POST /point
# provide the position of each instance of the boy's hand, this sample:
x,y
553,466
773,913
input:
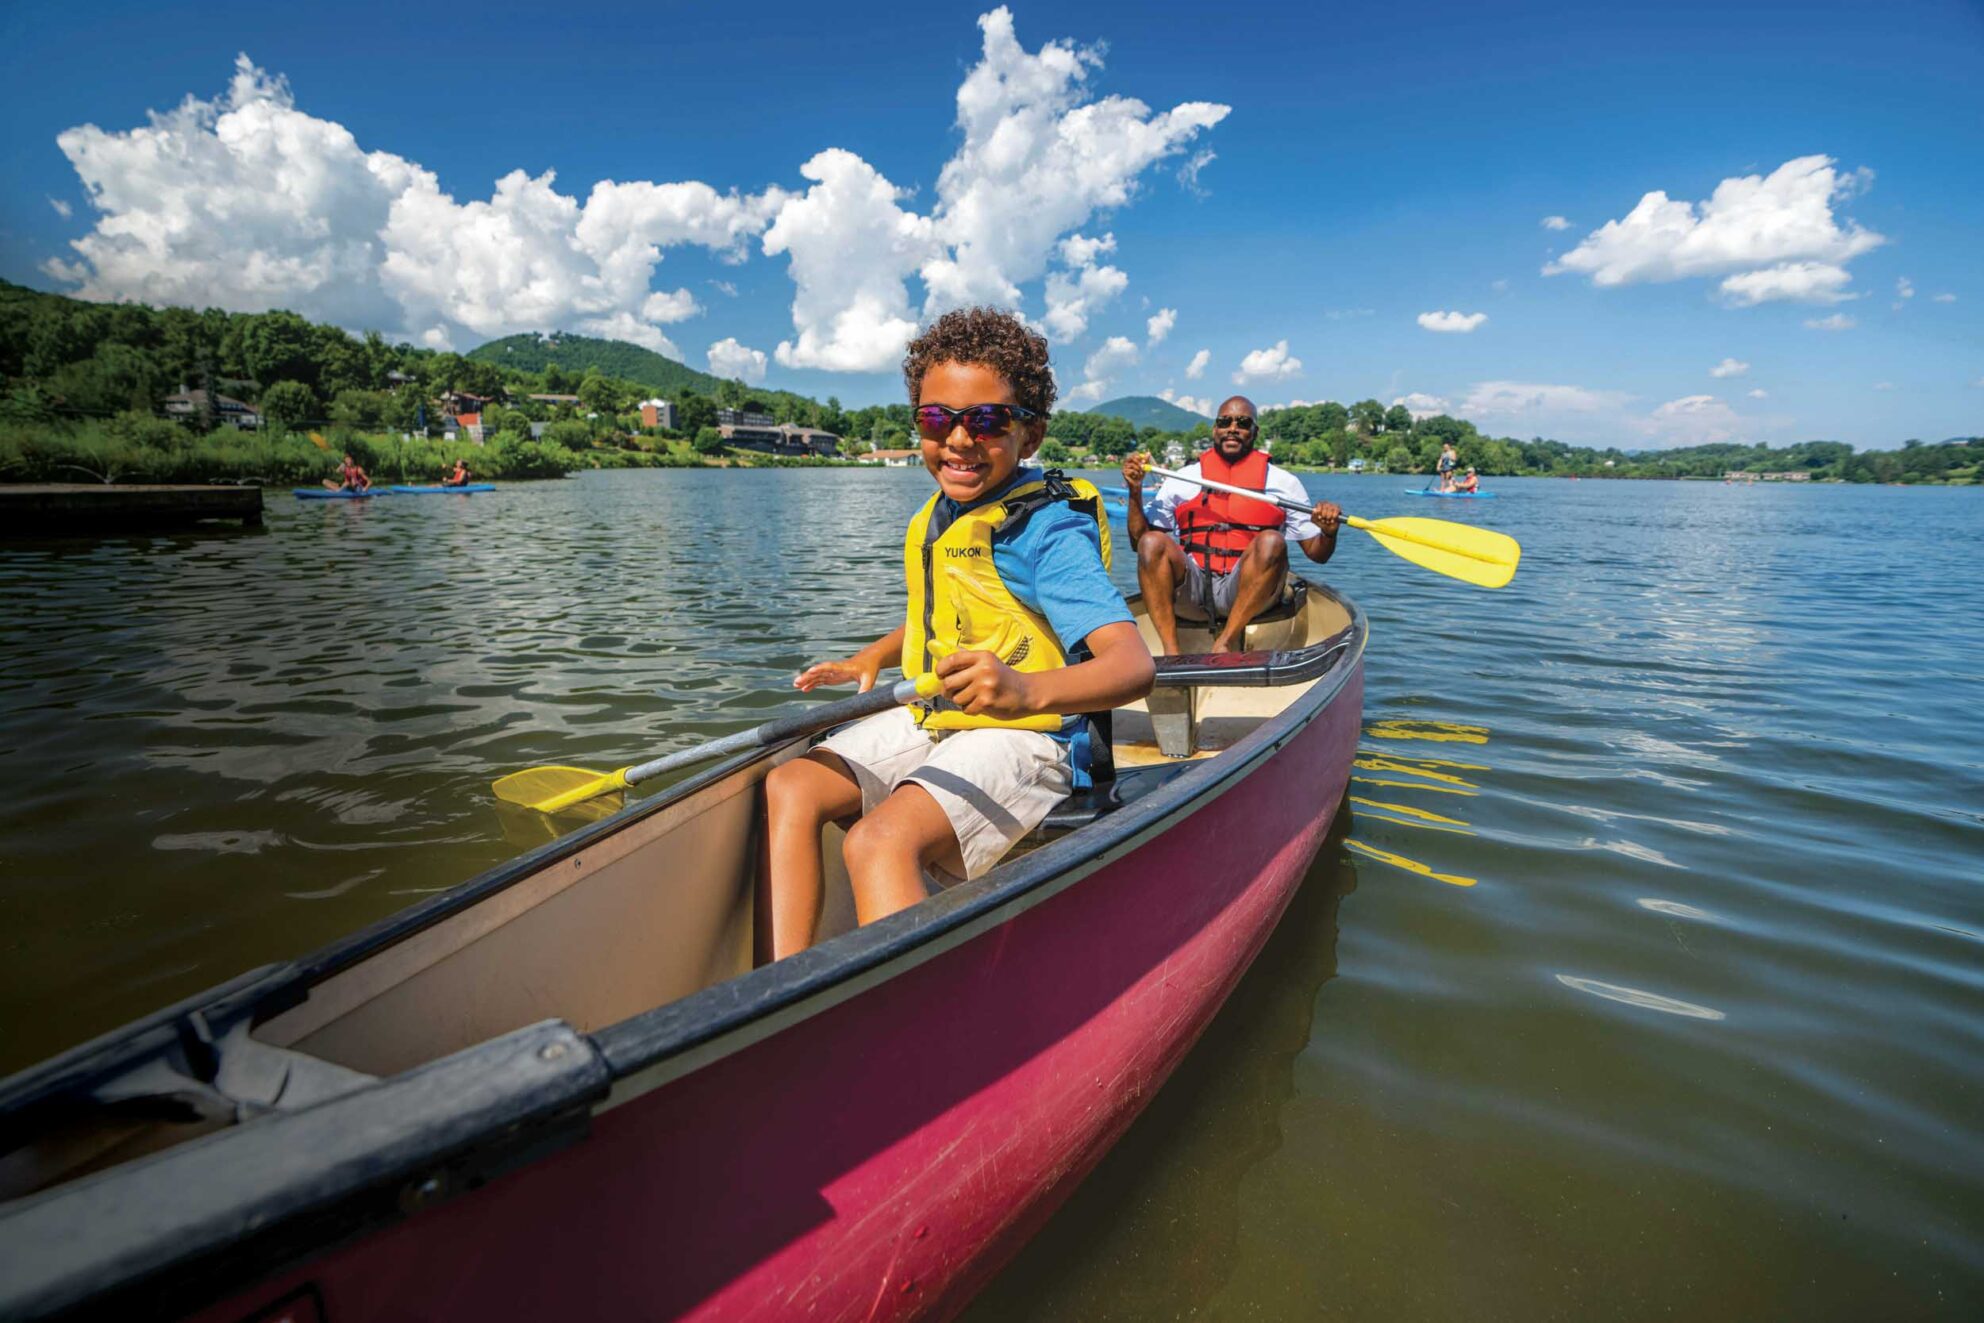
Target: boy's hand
x,y
860,669
981,684
1133,469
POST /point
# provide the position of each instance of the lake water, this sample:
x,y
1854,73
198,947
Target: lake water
x,y
1644,977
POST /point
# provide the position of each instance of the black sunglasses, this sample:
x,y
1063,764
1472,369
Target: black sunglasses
x,y
936,421
1240,420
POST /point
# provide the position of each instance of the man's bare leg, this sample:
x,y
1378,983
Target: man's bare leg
x,y
1263,569
1160,569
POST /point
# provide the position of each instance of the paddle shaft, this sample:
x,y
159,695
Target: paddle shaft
x,y
779,729
1293,507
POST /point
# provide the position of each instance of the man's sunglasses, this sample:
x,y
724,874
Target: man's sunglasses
x,y
1239,420
936,421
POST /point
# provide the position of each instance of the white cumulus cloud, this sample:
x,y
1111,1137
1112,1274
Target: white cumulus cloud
x,y
1839,321
1198,404
1692,420
1943,298
728,358
1759,394
62,209
1452,323
1159,325
247,202
1075,296
1039,157
1274,363
1103,366
1904,288
1521,397
1556,223
1777,235
1729,367
1197,367
1801,282
1420,405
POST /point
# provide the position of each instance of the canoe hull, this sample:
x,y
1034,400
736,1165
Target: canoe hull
x,y
467,489
322,494
883,1157
1458,496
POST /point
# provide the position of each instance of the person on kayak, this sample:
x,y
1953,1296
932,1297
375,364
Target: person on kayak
x,y
1470,484
459,478
1449,458
1010,605
1223,558
351,478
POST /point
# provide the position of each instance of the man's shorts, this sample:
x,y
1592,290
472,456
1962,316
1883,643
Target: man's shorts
x,y
1190,599
994,785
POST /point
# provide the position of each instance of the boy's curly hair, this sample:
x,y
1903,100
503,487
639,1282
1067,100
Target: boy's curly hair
x,y
999,340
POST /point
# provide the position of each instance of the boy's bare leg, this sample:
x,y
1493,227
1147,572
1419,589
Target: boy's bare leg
x,y
1160,569
801,798
1263,569
888,849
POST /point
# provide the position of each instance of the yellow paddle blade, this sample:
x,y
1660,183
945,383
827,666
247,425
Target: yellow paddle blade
x,y
317,440
1459,551
549,789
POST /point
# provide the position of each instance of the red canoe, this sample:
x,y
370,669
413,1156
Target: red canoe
x,y
560,1091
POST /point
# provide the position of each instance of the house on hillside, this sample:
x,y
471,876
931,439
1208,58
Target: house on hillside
x,y
656,413
743,418
786,439
894,459
187,406
468,424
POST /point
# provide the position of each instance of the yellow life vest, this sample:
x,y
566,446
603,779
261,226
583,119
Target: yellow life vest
x,y
958,603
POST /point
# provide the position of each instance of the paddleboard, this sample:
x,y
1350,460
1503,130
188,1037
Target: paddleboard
x,y
463,490
320,494
1459,496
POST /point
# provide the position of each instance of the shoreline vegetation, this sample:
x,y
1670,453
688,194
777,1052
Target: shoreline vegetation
x,y
84,391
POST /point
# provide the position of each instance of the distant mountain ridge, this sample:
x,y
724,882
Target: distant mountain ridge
x,y
1149,411
532,352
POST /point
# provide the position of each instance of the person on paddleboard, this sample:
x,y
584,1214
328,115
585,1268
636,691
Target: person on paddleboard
x,y
459,478
1449,458
1470,484
1010,605
352,478
1218,557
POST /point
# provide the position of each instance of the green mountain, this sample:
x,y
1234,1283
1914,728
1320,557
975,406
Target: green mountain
x,y
576,354
1149,411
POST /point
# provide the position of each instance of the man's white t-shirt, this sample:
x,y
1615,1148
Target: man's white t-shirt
x,y
1161,509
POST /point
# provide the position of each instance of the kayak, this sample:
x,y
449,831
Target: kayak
x,y
1461,496
463,490
561,1089
320,494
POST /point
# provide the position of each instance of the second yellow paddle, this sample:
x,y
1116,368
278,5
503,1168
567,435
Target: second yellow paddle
x,y
1459,551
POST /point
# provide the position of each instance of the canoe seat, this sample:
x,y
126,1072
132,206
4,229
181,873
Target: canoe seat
x,y
1085,806
1290,606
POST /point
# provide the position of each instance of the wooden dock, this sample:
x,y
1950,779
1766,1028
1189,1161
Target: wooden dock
x,y
56,509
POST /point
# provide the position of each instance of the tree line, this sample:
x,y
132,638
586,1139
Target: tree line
x,y
65,363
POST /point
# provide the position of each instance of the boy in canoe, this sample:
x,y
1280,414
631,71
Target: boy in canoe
x,y
1010,606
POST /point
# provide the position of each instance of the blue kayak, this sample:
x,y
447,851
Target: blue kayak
x,y
462,490
320,494
1458,496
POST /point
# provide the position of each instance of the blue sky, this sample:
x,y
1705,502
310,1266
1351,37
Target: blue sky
x,y
1369,167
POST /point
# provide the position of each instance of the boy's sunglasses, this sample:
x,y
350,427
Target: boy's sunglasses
x,y
1239,420
936,421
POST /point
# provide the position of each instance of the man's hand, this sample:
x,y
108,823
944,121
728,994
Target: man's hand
x,y
860,669
1134,468
981,684
1327,515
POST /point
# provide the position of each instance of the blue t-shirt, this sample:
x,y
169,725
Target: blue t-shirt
x,y
1053,564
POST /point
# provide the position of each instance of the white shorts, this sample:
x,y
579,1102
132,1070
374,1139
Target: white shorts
x,y
995,786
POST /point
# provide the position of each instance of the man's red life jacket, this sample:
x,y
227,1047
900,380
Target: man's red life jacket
x,y
1215,527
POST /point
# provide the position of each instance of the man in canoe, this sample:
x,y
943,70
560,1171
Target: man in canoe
x,y
352,478
1224,557
1010,606
459,478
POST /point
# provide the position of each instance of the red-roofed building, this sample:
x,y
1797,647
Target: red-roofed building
x,y
470,424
